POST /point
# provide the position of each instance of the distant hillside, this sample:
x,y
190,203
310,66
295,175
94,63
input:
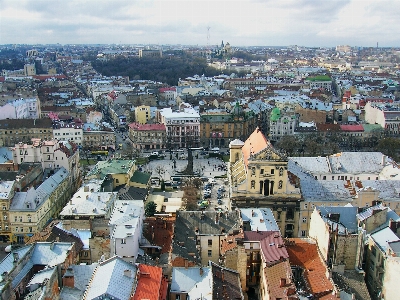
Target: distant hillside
x,y
168,68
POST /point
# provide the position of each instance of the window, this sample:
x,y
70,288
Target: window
x,y
123,241
209,242
30,229
281,171
253,184
280,184
262,171
304,220
373,251
305,205
272,171
29,219
253,171
209,253
303,233
48,157
323,177
333,177
116,180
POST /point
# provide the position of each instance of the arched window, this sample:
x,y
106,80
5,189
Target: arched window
x,y
280,184
281,171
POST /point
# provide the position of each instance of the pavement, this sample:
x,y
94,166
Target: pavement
x,y
207,167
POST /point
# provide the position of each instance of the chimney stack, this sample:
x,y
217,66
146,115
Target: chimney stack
x,y
201,271
68,278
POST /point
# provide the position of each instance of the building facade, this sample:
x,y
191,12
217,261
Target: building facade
x,y
147,136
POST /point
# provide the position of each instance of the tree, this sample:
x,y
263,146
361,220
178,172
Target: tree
x,y
150,209
287,144
389,146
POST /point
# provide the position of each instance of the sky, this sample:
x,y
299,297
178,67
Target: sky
x,y
312,23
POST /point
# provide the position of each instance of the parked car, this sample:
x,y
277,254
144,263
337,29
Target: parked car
x,y
219,202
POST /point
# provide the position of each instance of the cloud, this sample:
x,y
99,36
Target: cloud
x,y
246,22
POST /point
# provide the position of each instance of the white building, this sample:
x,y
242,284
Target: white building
x,y
68,132
52,155
183,127
21,109
126,226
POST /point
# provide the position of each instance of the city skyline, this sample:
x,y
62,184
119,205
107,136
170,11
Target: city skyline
x,y
241,23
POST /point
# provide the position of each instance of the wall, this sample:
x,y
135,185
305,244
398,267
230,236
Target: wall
x,y
346,250
319,231
390,288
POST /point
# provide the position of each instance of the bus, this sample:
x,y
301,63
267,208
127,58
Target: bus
x,y
100,152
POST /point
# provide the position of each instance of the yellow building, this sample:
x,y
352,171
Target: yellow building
x,y
142,114
114,172
259,178
219,129
30,211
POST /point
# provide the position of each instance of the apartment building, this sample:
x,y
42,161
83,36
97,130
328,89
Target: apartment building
x,y
147,136
142,114
6,195
182,127
24,130
68,132
30,211
52,154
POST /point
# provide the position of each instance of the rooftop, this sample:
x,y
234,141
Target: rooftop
x,y
261,219
194,281
114,278
304,254
151,284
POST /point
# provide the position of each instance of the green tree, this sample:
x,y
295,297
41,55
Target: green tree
x,y
150,209
389,146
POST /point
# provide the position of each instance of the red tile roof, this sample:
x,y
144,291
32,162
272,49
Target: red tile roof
x,y
255,143
276,288
305,255
150,284
147,127
273,248
352,128
159,232
166,89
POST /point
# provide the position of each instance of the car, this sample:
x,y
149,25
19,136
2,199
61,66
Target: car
x,y
221,188
207,190
207,195
219,202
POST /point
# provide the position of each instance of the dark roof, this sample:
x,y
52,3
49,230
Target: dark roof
x,y
140,177
347,216
190,223
25,123
132,193
226,283
352,282
256,235
65,236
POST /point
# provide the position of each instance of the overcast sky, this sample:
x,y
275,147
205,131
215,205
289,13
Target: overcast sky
x,y
241,23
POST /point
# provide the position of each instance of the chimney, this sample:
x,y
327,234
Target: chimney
x,y
252,213
68,278
383,160
282,282
201,271
128,273
216,219
16,257
186,263
52,246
